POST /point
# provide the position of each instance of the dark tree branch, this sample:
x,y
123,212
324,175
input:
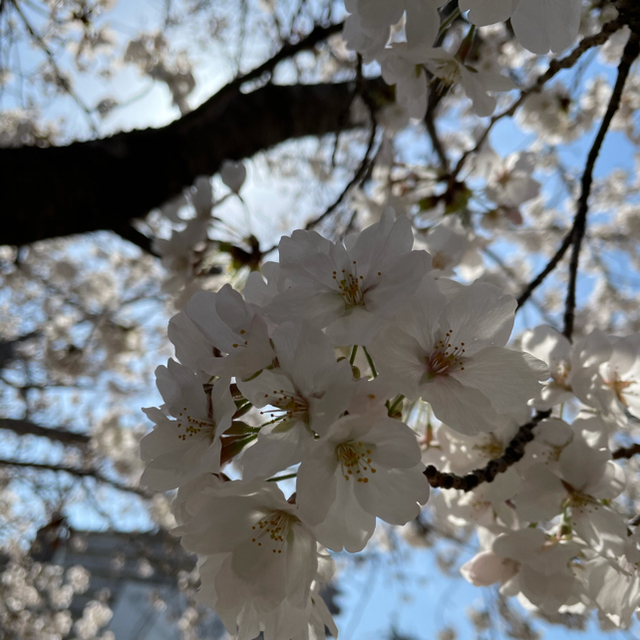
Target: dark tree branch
x,y
290,49
105,184
624,453
550,266
631,52
78,473
26,427
430,123
514,452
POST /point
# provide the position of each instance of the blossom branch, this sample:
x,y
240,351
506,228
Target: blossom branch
x,y
555,66
514,451
631,52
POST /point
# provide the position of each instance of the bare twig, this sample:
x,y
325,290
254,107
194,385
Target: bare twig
x,y
60,77
365,164
631,52
290,49
513,452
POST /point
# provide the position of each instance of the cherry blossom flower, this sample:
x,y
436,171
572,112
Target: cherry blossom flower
x,y
366,467
510,183
539,25
376,17
233,327
447,242
451,354
544,574
267,554
245,619
613,584
178,450
550,346
610,378
403,65
487,568
350,292
308,391
475,83
581,480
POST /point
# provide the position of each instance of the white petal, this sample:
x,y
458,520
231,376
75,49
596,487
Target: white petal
x,y
507,378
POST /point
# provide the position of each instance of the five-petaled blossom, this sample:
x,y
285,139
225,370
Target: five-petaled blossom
x,y
449,350
179,449
366,467
349,291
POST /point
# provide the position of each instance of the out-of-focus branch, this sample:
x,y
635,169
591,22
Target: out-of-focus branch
x,y
549,267
78,473
367,160
624,453
28,428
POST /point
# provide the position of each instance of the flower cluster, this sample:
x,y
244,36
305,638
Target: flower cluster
x,y
401,36
551,529
308,369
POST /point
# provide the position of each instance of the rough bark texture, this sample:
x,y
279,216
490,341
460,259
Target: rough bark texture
x,y
104,184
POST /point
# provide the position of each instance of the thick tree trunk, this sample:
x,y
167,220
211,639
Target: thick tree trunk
x,y
104,184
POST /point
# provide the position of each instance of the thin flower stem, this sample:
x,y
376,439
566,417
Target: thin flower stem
x,y
374,373
449,21
396,404
287,476
352,359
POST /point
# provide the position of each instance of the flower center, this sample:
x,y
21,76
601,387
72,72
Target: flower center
x,y
189,426
560,375
619,387
272,531
439,260
289,406
445,358
449,71
350,286
355,460
491,448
